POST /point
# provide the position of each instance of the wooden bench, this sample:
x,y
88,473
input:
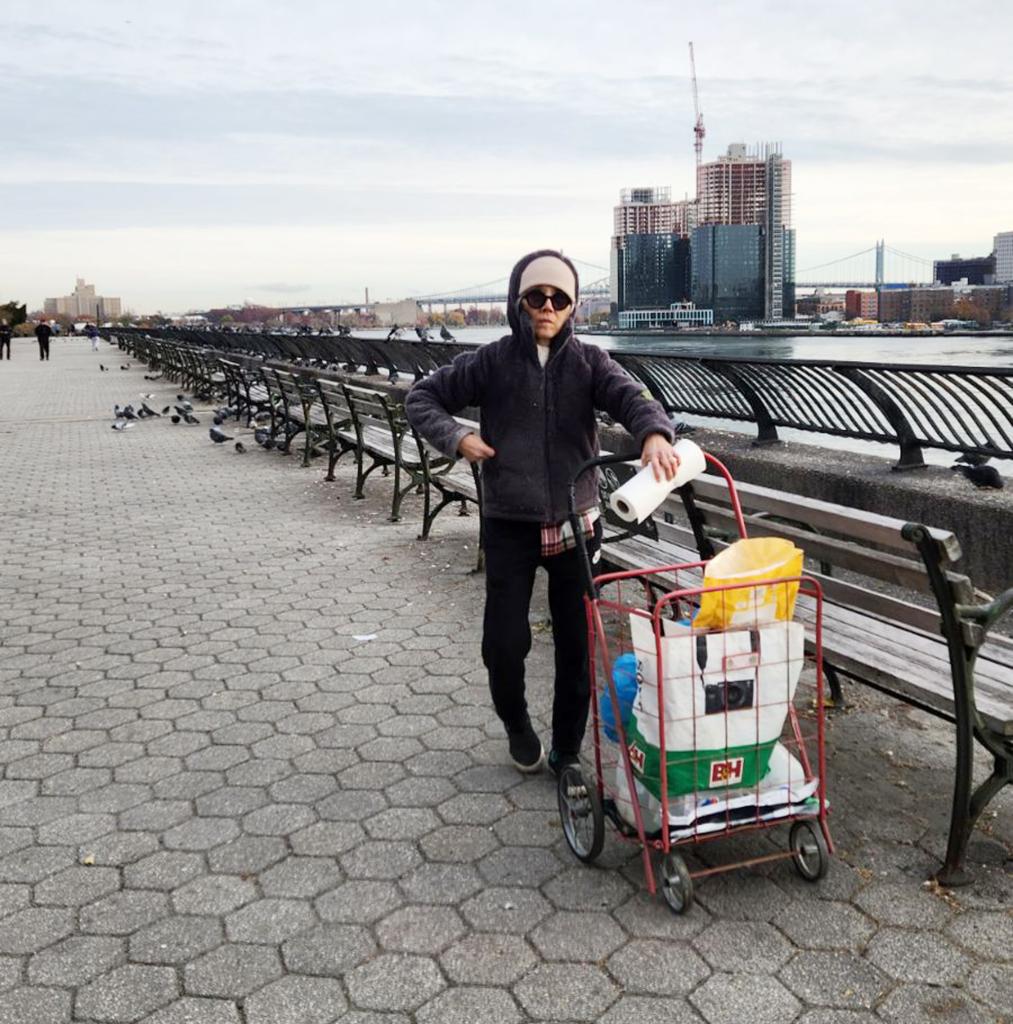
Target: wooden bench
x,y
897,616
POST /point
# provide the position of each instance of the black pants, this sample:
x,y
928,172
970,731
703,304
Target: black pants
x,y
43,348
512,554
3,342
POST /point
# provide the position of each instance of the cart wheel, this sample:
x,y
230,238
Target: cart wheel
x,y
581,813
676,883
809,848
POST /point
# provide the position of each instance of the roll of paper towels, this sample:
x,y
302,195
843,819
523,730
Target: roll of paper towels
x,y
640,496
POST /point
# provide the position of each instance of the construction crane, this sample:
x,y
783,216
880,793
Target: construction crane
x,y
698,129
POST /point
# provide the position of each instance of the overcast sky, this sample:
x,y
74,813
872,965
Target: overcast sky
x,y
205,153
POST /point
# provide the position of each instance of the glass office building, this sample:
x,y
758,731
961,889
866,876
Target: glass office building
x,y
730,275
651,271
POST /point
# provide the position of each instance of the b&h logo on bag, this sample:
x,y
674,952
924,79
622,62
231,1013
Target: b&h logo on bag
x,y
636,757
727,772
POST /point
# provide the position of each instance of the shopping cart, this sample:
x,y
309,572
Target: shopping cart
x,y
717,741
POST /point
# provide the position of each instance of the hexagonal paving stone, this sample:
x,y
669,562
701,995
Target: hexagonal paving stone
x,y
470,1006
838,978
213,894
578,992
126,993
247,855
379,859
175,940
77,885
401,823
914,1004
232,971
733,998
458,844
300,876
190,1010
984,934
34,928
638,1009
123,912
824,924
749,947
652,967
164,870
358,902
485,959
580,888
520,865
506,910
296,1000
269,920
903,905
395,981
419,929
75,960
993,985
328,949
572,936
37,1005
917,957
441,883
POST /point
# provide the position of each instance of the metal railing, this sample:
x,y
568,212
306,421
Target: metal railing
x,y
952,408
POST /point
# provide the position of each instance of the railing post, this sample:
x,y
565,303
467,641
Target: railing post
x,y
766,430
910,449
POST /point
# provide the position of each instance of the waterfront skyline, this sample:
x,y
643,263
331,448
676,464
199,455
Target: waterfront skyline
x,y
192,156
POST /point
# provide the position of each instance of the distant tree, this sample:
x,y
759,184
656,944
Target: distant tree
x,y
455,318
13,313
968,309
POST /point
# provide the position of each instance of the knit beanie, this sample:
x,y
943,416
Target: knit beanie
x,y
550,270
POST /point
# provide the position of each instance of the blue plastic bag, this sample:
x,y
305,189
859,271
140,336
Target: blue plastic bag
x,y
624,677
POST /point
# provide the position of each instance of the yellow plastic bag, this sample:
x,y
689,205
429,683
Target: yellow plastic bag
x,y
751,560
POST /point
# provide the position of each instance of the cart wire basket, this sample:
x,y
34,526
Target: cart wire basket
x,y
700,733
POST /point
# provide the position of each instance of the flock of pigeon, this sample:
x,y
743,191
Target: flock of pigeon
x,y
182,411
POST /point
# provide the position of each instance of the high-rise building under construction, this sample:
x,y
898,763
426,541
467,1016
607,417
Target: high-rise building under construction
x,y
649,255
751,192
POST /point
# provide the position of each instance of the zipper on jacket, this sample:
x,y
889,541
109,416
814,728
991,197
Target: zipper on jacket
x,y
545,441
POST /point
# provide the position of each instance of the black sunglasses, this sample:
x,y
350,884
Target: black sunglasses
x,y
537,298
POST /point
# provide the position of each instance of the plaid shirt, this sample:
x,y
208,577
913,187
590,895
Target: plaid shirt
x,y
558,537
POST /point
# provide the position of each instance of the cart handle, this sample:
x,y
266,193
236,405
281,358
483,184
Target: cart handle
x,y
578,536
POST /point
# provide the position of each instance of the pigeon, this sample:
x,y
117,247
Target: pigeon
x,y
260,435
102,368
182,410
218,436
972,458
176,419
121,425
141,414
985,477
240,448
166,410
262,417
191,419
127,367
217,420
270,443
128,413
148,411
445,334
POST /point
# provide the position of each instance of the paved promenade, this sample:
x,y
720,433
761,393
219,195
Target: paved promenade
x,y
250,775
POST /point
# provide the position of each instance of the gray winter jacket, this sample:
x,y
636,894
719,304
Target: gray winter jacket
x,y
540,422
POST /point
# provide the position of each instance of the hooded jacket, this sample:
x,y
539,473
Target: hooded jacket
x,y
540,421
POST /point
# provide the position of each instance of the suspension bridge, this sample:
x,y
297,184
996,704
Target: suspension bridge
x,y
878,266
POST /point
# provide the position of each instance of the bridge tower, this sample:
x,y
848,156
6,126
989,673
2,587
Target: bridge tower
x,y
880,252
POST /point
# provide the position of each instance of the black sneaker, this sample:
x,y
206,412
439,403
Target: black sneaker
x,y
526,748
558,761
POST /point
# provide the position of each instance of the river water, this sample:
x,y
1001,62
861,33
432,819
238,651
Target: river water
x,y
950,350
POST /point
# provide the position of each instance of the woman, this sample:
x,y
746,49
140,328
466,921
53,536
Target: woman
x,y
537,389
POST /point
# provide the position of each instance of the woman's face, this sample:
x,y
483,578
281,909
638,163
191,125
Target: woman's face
x,y
546,321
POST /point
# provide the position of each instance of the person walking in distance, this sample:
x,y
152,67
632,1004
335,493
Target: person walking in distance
x,y
537,390
92,331
43,332
5,338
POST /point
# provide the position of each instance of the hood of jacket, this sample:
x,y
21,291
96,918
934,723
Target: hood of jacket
x,y
520,322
